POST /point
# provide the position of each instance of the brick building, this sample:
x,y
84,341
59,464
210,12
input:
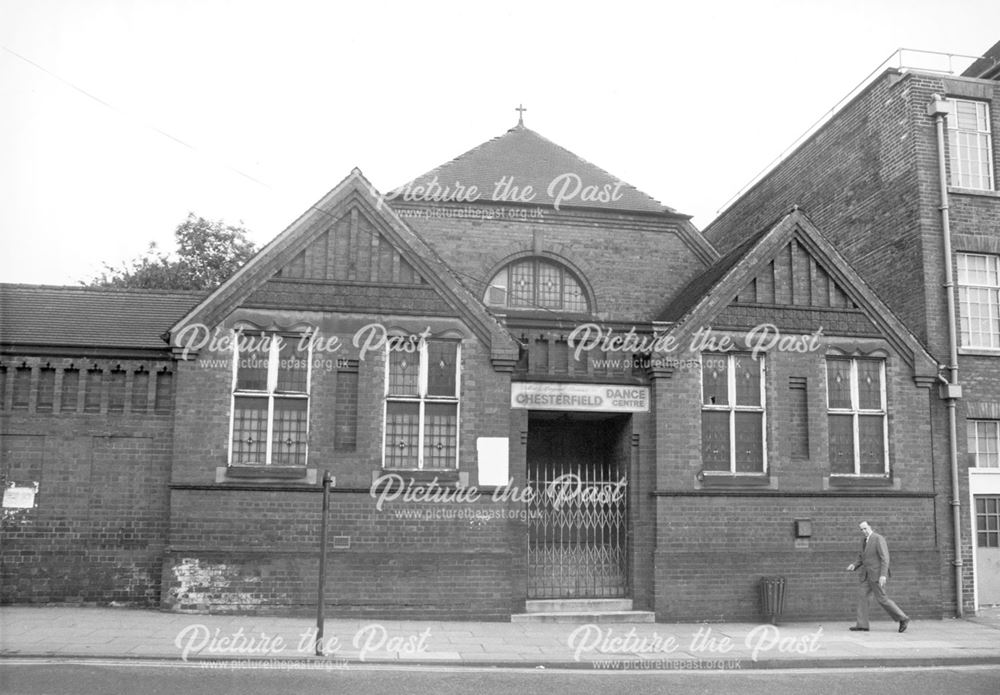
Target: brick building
x,y
86,384
516,321
902,180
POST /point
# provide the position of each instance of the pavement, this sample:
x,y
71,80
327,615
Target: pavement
x,y
229,641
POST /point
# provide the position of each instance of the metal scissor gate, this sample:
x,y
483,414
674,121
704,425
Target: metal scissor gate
x,y
577,520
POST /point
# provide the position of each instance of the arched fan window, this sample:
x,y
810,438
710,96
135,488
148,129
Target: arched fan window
x,y
536,284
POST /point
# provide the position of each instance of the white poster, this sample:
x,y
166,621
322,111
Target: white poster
x,y
18,497
492,457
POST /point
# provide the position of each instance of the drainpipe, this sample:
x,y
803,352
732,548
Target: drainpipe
x,y
950,389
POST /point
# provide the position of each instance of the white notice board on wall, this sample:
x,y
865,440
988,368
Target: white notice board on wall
x,y
493,459
19,497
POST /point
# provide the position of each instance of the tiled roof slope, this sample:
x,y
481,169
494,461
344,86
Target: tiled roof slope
x,y
534,161
88,317
703,284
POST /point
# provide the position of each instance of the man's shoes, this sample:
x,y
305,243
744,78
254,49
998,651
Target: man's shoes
x,y
855,628
903,624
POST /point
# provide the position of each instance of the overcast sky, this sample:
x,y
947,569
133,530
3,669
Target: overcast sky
x,y
118,118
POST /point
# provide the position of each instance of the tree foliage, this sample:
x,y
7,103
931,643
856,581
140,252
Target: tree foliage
x,y
207,253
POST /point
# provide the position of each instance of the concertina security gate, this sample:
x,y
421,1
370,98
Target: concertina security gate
x,y
577,544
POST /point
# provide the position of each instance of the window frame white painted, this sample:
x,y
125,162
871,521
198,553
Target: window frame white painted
x,y
732,408
856,411
273,366
961,175
423,399
966,287
974,439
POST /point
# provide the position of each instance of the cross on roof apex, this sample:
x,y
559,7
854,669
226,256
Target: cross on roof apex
x,y
520,114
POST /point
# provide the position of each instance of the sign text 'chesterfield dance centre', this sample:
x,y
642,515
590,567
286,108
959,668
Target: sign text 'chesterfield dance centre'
x,y
596,397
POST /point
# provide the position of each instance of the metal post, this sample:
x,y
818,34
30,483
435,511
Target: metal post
x,y
321,597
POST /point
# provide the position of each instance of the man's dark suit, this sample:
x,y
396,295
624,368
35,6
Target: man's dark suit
x,y
873,562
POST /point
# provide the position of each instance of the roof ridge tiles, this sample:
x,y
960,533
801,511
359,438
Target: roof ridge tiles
x,y
104,290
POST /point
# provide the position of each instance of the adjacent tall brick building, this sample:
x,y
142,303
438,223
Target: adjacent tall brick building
x,y
871,179
530,380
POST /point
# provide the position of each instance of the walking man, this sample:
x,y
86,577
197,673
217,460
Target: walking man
x,y
873,561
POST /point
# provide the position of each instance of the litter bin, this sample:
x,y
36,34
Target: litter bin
x,y
772,598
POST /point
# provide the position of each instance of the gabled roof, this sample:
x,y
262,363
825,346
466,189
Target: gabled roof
x,y
90,317
355,188
525,158
703,284
701,301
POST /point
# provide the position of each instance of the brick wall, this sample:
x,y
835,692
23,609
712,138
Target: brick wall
x,y
258,551
633,264
869,179
739,540
857,179
252,545
97,530
204,399
715,538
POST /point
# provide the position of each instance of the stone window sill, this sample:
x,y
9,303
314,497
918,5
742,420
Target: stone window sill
x,y
441,477
734,481
973,191
860,481
290,474
982,352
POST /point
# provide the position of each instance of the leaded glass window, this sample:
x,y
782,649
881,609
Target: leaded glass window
x,y
270,401
856,417
421,411
732,414
536,284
